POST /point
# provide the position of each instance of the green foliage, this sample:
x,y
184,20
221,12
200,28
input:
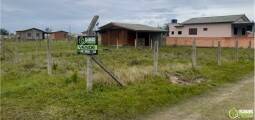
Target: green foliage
x,y
3,31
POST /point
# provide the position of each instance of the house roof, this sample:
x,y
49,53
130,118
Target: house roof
x,y
30,29
218,19
133,27
60,31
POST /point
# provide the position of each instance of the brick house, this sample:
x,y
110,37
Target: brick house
x,y
125,34
208,30
30,34
59,35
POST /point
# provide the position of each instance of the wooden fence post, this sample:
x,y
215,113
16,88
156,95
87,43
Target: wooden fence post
x,y
250,44
16,50
89,73
49,59
219,53
136,37
155,58
194,53
2,47
151,43
236,50
117,41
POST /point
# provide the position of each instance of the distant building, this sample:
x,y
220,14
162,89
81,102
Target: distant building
x,y
59,35
125,34
217,26
30,34
209,30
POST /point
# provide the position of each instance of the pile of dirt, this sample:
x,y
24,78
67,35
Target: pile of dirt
x,y
185,77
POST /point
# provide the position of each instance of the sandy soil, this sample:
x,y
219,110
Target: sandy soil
x,y
213,105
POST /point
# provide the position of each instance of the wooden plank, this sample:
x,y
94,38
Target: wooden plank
x,y
111,74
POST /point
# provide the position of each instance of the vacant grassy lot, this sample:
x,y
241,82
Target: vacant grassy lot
x,y
27,92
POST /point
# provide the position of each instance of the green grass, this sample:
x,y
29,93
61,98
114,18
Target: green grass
x,y
27,92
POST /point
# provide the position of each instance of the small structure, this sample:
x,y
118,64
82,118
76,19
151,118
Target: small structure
x,y
125,34
30,34
208,30
59,35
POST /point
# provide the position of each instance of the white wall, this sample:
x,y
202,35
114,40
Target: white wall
x,y
213,30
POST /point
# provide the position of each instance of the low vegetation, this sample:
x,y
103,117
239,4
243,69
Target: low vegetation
x,y
27,92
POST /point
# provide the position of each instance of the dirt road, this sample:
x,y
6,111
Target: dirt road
x,y
213,105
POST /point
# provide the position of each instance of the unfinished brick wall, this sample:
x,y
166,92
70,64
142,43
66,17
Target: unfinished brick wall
x,y
244,42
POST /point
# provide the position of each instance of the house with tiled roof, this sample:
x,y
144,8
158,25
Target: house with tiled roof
x,y
212,28
30,34
130,34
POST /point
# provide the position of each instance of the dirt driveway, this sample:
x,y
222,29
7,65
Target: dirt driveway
x,y
213,105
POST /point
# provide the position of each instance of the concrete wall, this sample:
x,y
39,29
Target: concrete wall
x,y
213,30
244,42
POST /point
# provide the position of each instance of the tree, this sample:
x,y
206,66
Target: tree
x,y
4,31
48,29
166,26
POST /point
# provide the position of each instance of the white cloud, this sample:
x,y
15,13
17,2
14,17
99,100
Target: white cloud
x,y
60,14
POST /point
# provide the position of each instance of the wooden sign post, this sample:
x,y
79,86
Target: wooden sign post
x,y
155,58
87,45
89,73
194,53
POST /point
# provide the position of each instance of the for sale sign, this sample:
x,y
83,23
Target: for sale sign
x,y
87,45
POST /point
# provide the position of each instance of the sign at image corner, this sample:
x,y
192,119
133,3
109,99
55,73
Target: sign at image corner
x,y
87,45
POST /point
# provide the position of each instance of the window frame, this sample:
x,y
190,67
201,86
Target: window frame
x,y
235,31
179,32
37,34
29,34
192,31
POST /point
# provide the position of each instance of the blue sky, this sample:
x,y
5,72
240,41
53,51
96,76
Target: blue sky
x,y
76,14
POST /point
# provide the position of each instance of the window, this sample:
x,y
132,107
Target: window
x,y
235,30
249,28
193,31
29,34
37,34
205,29
172,32
179,32
243,31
